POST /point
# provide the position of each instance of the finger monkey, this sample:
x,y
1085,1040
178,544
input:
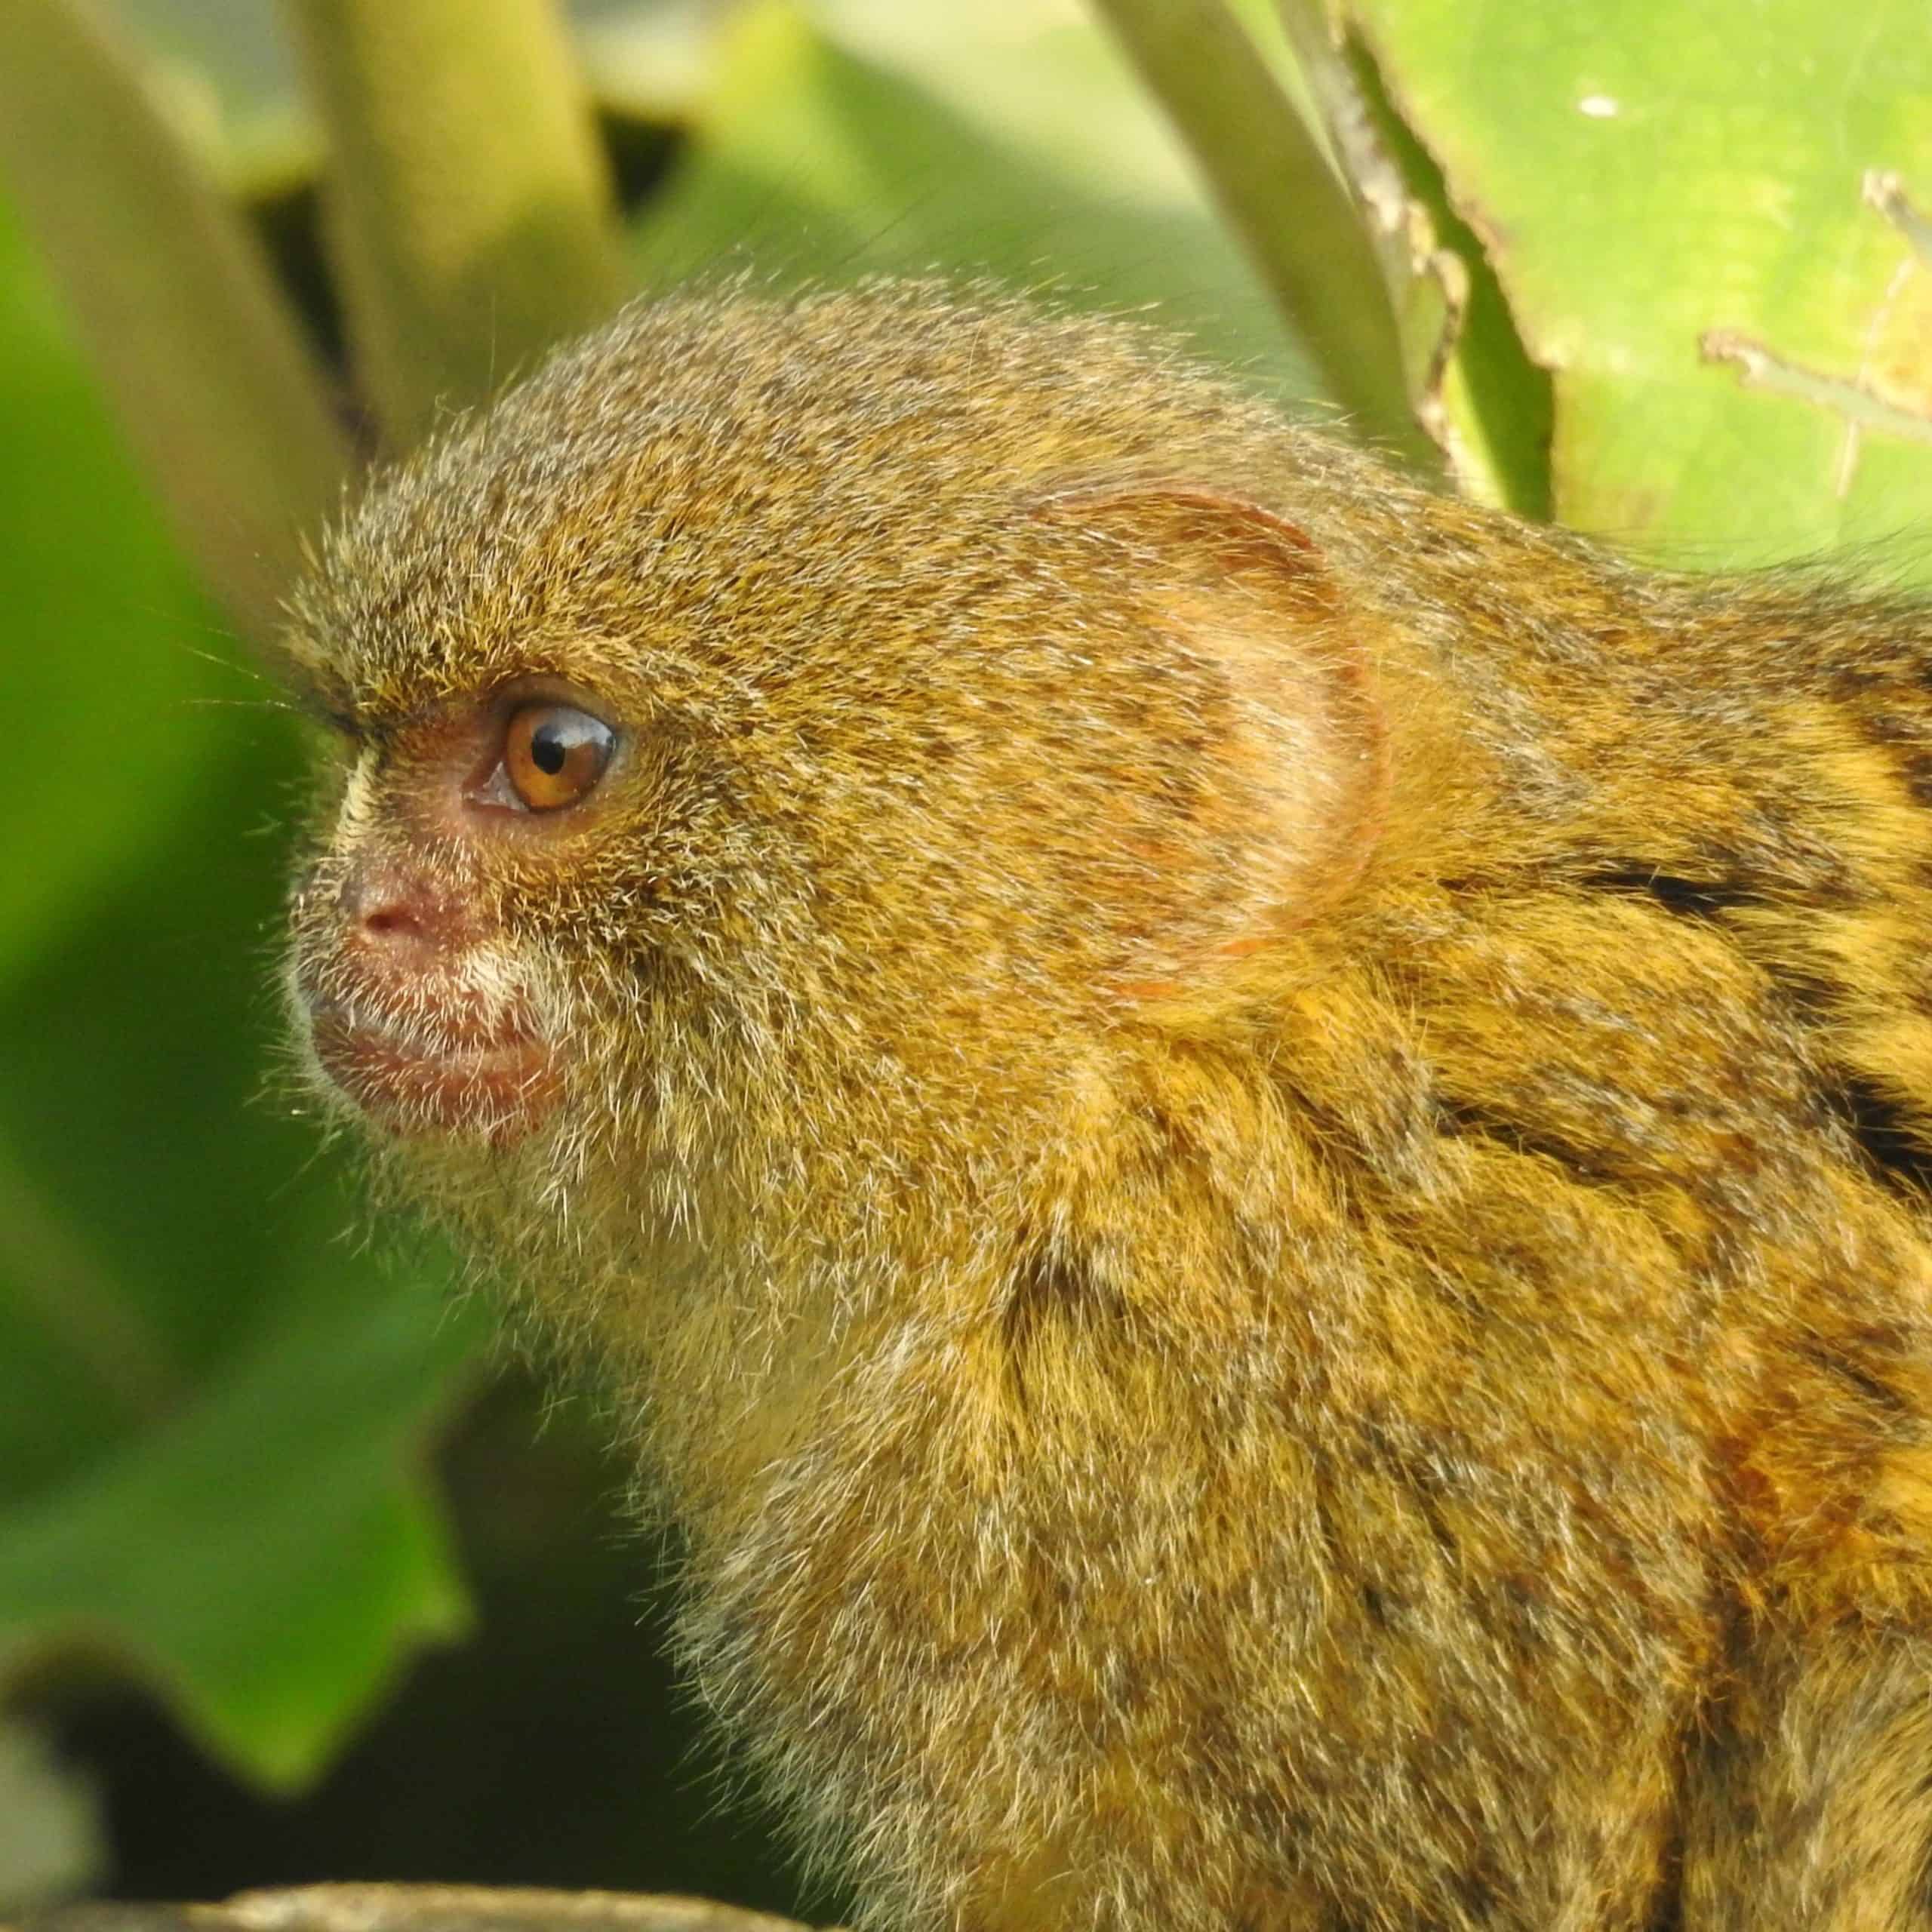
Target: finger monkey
x,y
1248,1148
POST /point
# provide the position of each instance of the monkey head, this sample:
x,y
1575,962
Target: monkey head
x,y
771,747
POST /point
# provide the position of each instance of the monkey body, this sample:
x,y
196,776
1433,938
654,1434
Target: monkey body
x,y
1244,1146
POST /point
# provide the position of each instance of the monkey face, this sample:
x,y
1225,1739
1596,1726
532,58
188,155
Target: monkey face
x,y
418,997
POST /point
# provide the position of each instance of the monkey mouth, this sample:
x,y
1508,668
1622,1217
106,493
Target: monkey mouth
x,y
497,1084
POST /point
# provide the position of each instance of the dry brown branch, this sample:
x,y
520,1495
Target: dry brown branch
x,y
412,1909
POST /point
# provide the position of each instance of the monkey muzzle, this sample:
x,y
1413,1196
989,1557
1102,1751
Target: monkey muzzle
x,y
496,1083
416,1013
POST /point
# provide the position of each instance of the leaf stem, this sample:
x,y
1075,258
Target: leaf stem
x,y
471,215
226,407
1279,193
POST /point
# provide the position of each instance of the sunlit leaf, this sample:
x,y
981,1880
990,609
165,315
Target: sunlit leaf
x,y
1682,206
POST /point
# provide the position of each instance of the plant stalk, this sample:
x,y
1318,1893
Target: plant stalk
x,y
470,212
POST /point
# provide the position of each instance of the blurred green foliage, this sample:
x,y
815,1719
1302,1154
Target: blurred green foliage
x,y
208,1399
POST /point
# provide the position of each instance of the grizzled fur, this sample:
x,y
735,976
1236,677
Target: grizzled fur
x,y
1246,1147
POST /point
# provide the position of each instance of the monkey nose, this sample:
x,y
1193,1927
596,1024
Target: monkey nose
x,y
399,914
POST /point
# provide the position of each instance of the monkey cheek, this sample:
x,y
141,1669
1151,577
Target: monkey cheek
x,y
498,1092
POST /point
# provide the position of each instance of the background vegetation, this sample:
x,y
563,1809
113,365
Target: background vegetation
x,y
296,1579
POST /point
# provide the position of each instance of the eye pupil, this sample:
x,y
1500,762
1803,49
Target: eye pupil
x,y
553,753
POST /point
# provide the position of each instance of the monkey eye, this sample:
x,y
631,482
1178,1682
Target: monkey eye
x,y
554,754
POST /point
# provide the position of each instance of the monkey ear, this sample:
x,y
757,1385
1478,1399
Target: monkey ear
x,y
1271,807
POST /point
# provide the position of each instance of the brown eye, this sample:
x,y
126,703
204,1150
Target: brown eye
x,y
554,754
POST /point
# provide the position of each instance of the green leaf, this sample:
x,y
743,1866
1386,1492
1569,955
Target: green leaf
x,y
1674,201
207,366
261,1556
208,1399
75,606
861,137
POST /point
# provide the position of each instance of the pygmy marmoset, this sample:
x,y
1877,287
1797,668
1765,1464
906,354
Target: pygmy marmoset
x,y
1248,1148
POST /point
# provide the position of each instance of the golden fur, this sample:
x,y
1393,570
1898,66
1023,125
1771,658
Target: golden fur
x,y
1245,1146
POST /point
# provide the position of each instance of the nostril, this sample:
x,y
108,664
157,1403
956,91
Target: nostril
x,y
389,921
396,910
